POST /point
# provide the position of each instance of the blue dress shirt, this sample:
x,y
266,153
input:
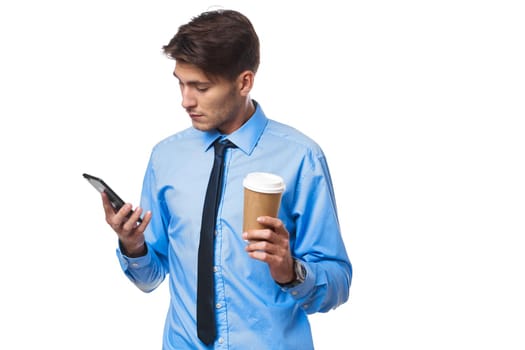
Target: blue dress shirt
x,y
252,310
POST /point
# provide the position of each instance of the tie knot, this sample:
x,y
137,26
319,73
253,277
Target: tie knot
x,y
220,146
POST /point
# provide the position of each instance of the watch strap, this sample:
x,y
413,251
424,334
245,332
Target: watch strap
x,y
300,275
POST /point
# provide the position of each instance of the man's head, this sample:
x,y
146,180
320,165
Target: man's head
x,y
221,43
217,56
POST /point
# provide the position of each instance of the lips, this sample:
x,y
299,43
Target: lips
x,y
194,115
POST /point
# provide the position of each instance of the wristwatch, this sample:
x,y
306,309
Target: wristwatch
x,y
300,275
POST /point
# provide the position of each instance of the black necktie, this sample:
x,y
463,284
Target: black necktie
x,y
205,291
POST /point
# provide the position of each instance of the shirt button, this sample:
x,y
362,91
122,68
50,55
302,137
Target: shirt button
x,y
215,233
218,305
135,265
221,340
215,269
294,292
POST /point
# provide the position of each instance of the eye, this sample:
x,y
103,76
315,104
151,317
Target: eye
x,y
202,88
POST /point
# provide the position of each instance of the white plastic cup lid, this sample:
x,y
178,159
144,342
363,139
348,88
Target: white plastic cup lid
x,y
264,182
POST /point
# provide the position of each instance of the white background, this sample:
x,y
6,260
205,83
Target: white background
x,y
418,105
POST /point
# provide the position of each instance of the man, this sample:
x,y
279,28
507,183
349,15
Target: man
x,y
265,281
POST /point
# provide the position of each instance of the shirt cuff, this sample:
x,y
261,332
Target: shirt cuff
x,y
301,290
128,263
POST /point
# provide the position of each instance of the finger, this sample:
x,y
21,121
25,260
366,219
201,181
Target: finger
x,y
133,228
133,221
263,246
111,217
145,221
273,260
261,256
118,219
274,223
258,235
108,208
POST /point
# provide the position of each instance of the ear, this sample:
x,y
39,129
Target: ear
x,y
245,82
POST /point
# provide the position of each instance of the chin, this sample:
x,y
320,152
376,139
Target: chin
x,y
202,127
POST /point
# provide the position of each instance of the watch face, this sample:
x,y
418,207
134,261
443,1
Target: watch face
x,y
300,271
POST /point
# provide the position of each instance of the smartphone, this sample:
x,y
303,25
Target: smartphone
x,y
101,186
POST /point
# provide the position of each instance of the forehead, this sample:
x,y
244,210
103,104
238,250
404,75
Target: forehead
x,y
187,72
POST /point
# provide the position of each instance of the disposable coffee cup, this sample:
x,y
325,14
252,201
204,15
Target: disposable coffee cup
x,y
262,197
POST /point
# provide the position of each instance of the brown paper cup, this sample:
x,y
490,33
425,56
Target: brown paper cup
x,y
262,197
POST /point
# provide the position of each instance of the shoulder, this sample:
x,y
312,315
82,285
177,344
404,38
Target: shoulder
x,y
178,144
178,139
293,138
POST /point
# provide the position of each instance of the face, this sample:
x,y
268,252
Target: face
x,y
210,103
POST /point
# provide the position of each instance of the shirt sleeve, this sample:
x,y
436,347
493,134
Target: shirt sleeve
x,y
317,241
148,272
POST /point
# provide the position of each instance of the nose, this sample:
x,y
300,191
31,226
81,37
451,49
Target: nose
x,y
188,99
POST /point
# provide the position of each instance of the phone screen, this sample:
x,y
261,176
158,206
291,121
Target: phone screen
x,y
101,186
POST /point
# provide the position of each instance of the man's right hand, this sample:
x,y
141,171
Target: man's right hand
x,y
129,231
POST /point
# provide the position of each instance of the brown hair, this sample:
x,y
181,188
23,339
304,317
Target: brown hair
x,y
221,43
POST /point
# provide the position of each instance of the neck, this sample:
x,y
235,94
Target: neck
x,y
246,110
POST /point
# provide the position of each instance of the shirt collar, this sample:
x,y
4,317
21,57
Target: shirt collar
x,y
246,137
